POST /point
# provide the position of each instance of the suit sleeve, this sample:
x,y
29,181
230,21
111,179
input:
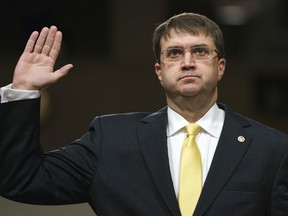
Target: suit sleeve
x,y
279,194
28,175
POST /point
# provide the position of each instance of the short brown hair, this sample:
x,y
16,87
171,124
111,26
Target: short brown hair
x,y
188,23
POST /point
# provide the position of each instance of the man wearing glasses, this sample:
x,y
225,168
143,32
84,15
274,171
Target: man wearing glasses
x,y
135,163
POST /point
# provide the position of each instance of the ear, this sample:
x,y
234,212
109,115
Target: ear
x,y
221,68
158,72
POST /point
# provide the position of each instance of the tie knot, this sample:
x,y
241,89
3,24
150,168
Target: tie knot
x,y
192,129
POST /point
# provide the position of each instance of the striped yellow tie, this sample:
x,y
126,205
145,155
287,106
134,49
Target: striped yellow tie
x,y
190,172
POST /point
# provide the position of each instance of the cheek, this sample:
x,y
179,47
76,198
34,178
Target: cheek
x,y
213,74
167,73
167,81
169,76
210,77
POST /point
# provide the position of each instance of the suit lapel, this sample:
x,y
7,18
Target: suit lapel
x,y
233,144
153,143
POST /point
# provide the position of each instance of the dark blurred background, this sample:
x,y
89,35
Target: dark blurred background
x,y
109,43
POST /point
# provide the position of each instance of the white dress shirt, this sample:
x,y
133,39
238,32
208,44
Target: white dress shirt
x,y
7,94
207,140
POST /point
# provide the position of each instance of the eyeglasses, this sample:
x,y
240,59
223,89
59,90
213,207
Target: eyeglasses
x,y
197,52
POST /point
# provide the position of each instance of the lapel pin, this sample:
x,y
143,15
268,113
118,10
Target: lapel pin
x,y
241,139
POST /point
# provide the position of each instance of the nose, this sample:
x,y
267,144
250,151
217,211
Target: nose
x,y
188,60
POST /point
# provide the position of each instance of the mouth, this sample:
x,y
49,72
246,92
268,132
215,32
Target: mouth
x,y
188,77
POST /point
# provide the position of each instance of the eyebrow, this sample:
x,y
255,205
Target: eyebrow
x,y
198,45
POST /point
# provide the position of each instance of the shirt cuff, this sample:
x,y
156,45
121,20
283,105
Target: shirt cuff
x,y
9,94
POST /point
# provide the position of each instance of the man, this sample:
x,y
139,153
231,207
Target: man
x,y
130,164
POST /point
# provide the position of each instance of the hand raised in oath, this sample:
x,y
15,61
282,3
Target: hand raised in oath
x,y
35,68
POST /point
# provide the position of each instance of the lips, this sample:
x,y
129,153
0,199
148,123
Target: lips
x,y
193,76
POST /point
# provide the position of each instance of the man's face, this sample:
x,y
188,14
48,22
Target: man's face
x,y
188,76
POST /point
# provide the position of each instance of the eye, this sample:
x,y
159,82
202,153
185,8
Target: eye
x,y
174,53
200,51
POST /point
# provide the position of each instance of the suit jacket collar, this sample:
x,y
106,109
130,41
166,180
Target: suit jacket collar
x,y
233,143
153,143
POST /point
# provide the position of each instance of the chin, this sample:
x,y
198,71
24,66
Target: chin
x,y
190,91
189,94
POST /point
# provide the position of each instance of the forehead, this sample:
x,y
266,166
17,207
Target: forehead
x,y
185,40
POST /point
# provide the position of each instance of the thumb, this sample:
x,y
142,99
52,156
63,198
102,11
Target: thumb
x,y
61,72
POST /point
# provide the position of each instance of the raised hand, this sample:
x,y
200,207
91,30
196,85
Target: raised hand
x,y
35,68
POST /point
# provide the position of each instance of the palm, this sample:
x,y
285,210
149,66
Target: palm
x,y
35,68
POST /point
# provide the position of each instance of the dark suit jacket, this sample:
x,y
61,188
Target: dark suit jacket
x,y
120,166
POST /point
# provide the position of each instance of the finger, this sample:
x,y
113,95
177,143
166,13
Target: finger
x,y
49,40
31,42
41,40
56,46
58,74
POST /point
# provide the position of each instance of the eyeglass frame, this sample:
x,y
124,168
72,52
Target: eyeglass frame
x,y
184,51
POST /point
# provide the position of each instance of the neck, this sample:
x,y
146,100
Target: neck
x,y
191,108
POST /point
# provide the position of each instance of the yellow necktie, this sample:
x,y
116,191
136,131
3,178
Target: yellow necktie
x,y
190,172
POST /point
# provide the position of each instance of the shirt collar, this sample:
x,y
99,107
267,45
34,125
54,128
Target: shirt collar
x,y
212,122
